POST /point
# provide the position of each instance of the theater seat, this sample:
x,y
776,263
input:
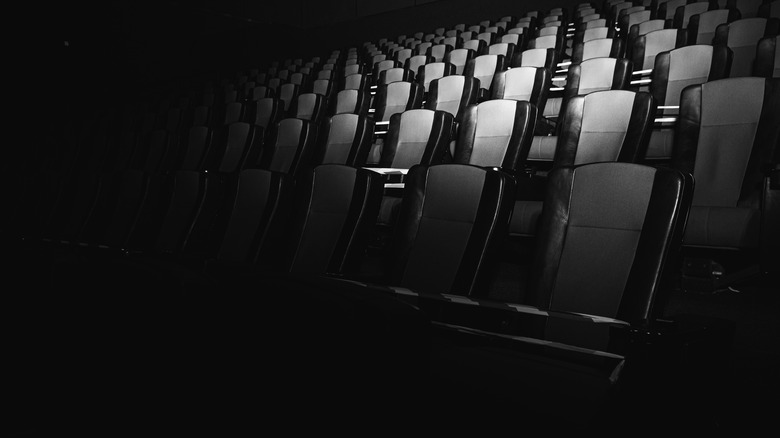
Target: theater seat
x,y
728,138
523,83
345,139
418,136
452,94
450,218
290,147
496,133
625,216
608,125
673,71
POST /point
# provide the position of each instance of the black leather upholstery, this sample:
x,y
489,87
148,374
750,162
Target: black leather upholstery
x,y
345,139
624,216
450,219
417,136
496,133
396,97
290,148
728,138
452,94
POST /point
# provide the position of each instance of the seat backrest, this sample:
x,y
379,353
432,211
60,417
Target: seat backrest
x,y
345,138
746,8
197,142
645,47
770,9
537,58
623,224
596,74
609,125
259,209
332,221
233,147
450,219
324,87
684,13
288,92
382,66
742,37
395,74
417,136
555,42
516,40
523,83
309,106
767,62
676,69
413,63
628,21
459,58
350,101
667,8
727,136
478,46
352,69
439,51
396,97
452,94
496,133
592,33
598,48
505,49
265,112
701,27
356,81
483,67
432,71
290,147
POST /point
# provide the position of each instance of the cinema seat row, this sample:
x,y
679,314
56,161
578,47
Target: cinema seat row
x,y
607,141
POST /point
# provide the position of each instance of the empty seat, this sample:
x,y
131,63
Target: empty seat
x,y
496,133
351,101
701,27
357,81
233,147
432,71
523,83
627,216
591,75
645,47
452,94
417,136
332,221
345,138
767,62
290,147
309,106
396,97
449,219
459,58
537,58
483,68
598,48
727,138
673,71
742,37
608,125
684,13
414,63
395,74
265,112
